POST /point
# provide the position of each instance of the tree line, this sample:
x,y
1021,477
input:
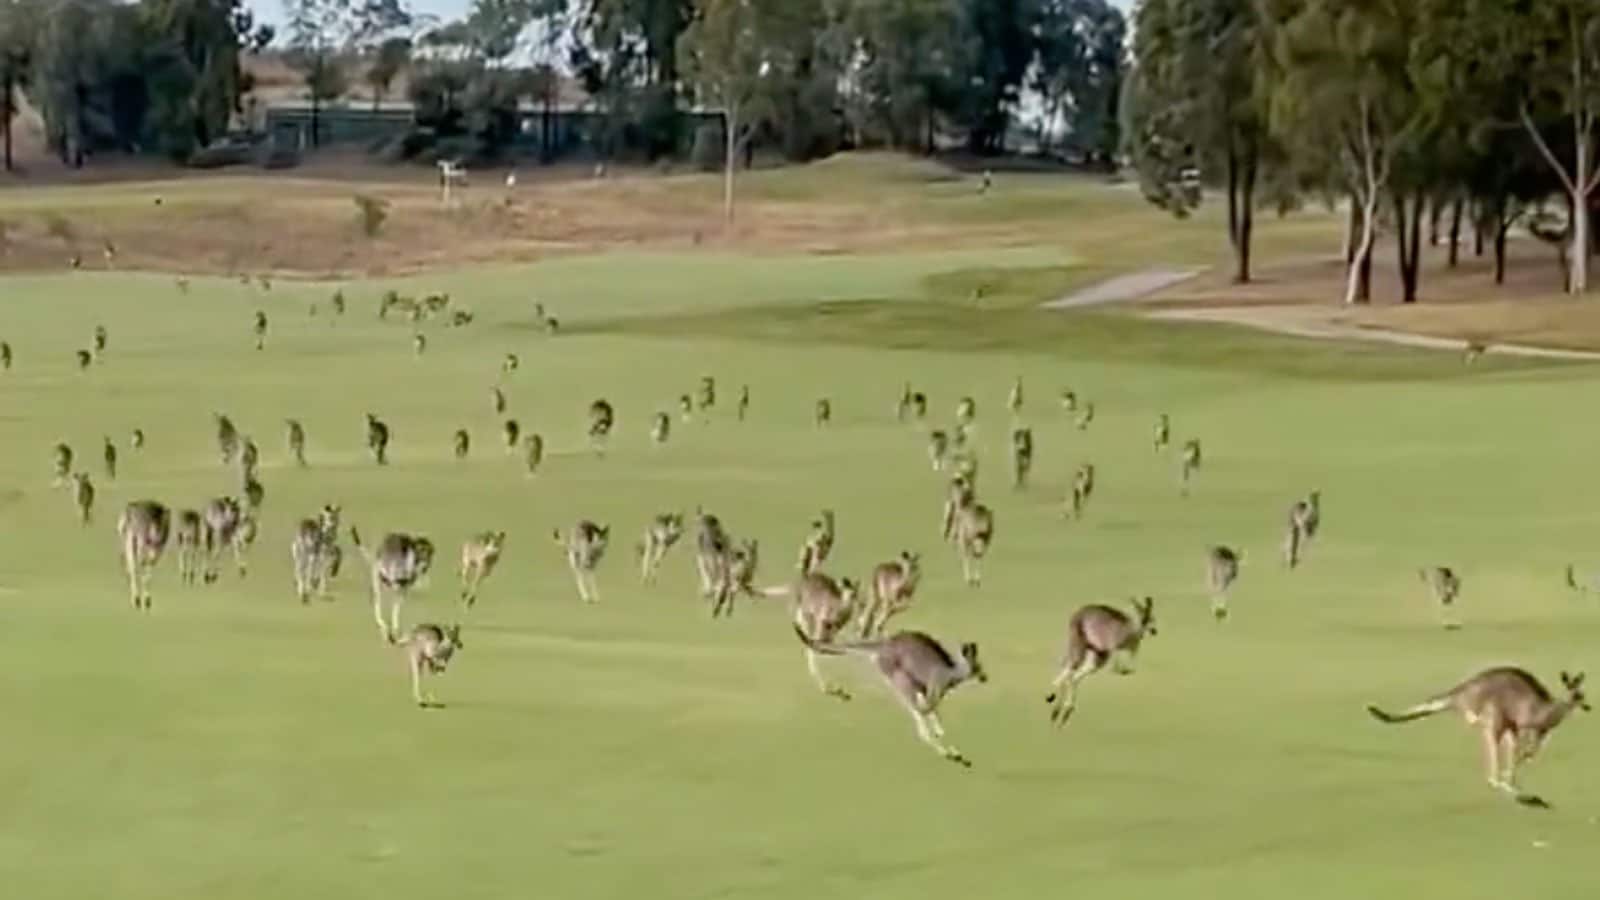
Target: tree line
x,y
1455,118
808,76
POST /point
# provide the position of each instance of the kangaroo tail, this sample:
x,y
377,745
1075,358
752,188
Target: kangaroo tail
x,y
858,648
355,538
1420,711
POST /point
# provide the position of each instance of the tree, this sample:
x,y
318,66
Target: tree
x,y
1194,108
1342,98
18,27
1078,72
322,31
392,56
1551,48
733,54
906,64
999,49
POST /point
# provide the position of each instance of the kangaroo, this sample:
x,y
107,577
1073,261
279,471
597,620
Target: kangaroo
x,y
227,438
894,583
510,363
585,545
99,342
1445,585
254,494
708,393
818,544
1082,489
712,546
83,497
511,432
260,330
686,408
1095,635
533,453
1304,516
744,402
1021,457
378,439
461,444
973,530
1069,401
660,536
1188,465
938,449
920,671
429,649
136,439
497,401
338,303
601,419
479,555
190,541
1514,712
249,458
296,439
823,413
5,355
224,520
62,458
1085,417
85,359
108,454
143,529
315,553
1222,569
660,428
902,406
1014,399
400,563
823,608
419,344
1163,433
735,574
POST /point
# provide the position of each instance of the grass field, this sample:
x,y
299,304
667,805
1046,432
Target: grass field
x,y
233,743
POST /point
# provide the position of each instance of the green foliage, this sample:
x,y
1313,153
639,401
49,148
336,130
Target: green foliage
x,y
371,213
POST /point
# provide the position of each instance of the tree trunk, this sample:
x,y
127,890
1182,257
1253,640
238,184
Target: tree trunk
x,y
546,121
1408,221
1247,220
1501,228
1358,286
730,126
316,120
1352,228
1578,271
8,99
1435,218
1455,232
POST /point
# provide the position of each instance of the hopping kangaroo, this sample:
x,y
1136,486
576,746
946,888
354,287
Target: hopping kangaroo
x,y
1021,457
1222,569
315,552
297,441
894,583
378,439
1514,712
586,546
83,496
712,545
428,652
143,528
662,534
822,609
1082,489
921,672
227,438
601,420
225,526
1304,517
399,565
818,544
1445,585
971,525
1095,635
735,572
1188,464
191,543
479,555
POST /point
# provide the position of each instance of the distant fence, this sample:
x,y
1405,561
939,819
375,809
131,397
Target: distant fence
x,y
571,130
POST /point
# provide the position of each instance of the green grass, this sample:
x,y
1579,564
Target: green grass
x,y
234,744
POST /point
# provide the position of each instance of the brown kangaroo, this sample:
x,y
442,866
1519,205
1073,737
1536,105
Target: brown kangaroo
x,y
1514,712
1095,635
